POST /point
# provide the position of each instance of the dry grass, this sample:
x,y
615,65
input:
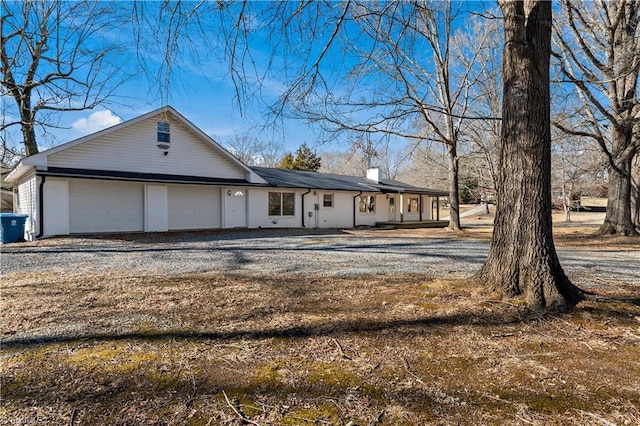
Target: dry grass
x,y
582,231
374,350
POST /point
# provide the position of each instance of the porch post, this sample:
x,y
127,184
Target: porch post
x,y
438,207
401,207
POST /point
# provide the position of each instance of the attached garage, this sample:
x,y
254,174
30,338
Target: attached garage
x,y
158,172
105,206
193,207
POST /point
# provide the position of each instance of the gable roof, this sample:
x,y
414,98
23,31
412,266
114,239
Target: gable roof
x,y
283,178
40,159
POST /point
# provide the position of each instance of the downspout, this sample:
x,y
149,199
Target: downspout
x,y
308,191
355,207
41,208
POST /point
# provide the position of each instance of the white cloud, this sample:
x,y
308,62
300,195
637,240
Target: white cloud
x,y
96,121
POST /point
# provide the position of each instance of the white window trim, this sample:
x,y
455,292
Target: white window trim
x,y
367,212
333,201
281,215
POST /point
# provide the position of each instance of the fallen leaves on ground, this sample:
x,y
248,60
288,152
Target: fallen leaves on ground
x,y
224,349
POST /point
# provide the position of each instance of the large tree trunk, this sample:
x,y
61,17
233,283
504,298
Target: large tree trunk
x,y
522,258
635,191
28,123
618,219
454,191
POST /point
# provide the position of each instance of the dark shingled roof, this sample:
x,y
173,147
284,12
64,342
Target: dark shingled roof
x,y
283,178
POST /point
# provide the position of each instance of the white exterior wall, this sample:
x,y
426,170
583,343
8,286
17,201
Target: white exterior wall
x,y
380,214
382,208
414,214
426,207
28,204
134,149
56,206
338,216
258,209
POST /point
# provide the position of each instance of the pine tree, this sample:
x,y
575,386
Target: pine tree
x,y
286,162
305,159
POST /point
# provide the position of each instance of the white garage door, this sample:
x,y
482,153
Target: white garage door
x,y
193,207
105,206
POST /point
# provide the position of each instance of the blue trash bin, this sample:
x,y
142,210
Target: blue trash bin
x,y
12,227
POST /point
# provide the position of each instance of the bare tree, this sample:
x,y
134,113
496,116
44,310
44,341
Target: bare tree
x,y
635,190
428,166
401,77
55,59
405,78
480,139
522,258
253,152
599,52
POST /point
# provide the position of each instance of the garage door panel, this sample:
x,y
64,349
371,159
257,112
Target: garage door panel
x,y
193,207
105,206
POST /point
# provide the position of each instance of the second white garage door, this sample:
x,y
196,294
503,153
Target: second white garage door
x,y
193,207
105,206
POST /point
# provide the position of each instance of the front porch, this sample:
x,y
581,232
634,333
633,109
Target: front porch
x,y
413,224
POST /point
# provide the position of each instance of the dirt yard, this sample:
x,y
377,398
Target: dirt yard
x,y
94,343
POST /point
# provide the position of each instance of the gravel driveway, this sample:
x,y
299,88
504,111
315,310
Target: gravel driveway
x,y
325,252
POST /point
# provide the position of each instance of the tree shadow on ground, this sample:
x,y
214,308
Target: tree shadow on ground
x,y
334,329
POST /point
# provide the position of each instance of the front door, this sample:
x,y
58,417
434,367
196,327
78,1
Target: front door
x,y
392,208
236,208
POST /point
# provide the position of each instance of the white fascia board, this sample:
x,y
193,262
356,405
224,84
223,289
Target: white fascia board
x,y
20,171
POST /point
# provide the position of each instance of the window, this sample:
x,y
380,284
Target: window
x,y
288,202
327,200
412,205
164,132
281,204
367,203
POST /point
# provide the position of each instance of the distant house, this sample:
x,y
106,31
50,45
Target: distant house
x,y
6,191
158,172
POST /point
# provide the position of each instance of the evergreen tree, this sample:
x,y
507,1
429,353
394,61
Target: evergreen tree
x,y
305,159
286,162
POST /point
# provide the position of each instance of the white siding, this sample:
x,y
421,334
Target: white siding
x,y
28,204
411,212
105,206
380,213
193,207
338,216
426,207
258,214
134,149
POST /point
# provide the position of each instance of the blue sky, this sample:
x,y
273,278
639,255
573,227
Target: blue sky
x,y
201,88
